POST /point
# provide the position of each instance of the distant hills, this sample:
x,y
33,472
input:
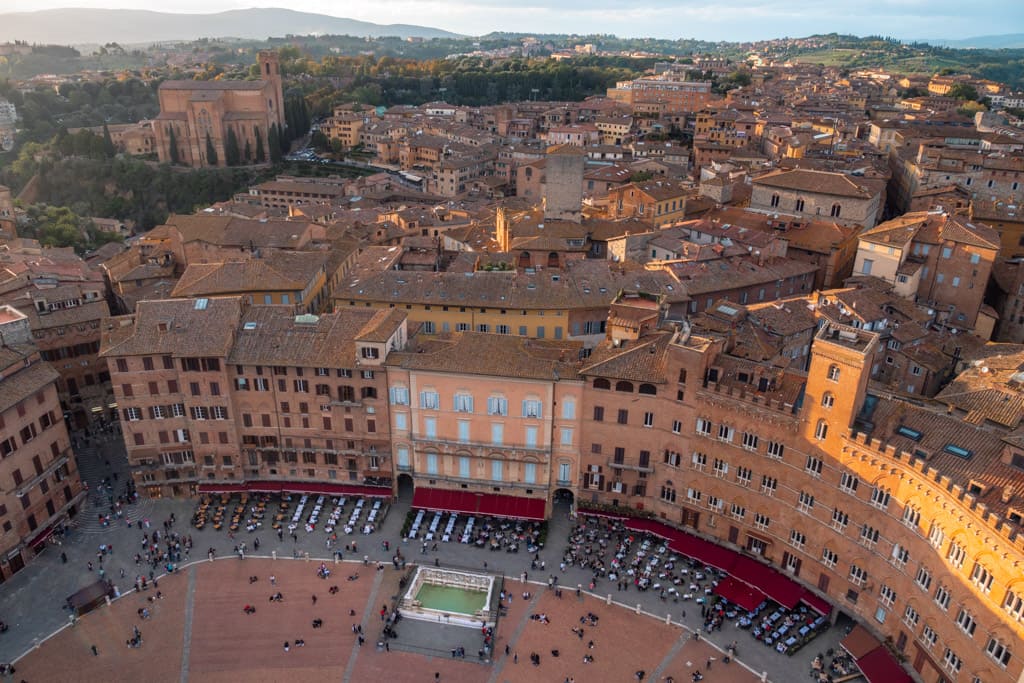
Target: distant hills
x,y
1007,40
128,27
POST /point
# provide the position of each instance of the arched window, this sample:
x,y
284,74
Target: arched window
x,y
668,492
648,389
836,209
775,200
799,205
602,383
623,385
821,431
828,399
833,373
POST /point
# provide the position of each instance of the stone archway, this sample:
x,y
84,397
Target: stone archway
x,y
405,486
563,495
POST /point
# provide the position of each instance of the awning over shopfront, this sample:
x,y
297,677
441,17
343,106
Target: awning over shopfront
x,y
336,489
222,488
859,642
41,538
300,487
740,594
879,666
774,583
472,503
759,576
819,605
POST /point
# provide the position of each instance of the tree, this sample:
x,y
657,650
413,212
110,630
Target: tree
x,y
109,150
211,152
261,155
319,141
172,141
275,144
247,154
963,91
55,226
232,155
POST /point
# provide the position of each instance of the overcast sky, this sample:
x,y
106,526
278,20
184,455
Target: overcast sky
x,y
706,19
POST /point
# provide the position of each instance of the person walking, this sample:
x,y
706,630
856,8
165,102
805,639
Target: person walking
x,y
95,652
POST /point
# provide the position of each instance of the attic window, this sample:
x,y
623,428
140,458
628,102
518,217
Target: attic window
x,y
911,434
1015,517
249,326
959,452
975,488
201,304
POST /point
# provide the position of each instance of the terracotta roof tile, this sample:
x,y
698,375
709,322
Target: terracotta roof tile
x,y
496,355
821,182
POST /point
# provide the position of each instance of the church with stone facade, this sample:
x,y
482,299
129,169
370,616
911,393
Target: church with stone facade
x,y
192,112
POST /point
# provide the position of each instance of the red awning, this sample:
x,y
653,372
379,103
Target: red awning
x,y
859,642
768,580
819,605
222,488
773,583
318,488
469,502
879,666
599,513
310,487
264,487
41,538
739,593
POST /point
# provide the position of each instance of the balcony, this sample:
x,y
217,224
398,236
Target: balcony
x,y
629,466
29,484
477,484
480,447
563,482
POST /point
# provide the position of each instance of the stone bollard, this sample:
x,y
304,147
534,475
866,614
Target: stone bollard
x,y
107,598
668,620
764,676
608,600
307,555
273,554
336,560
638,608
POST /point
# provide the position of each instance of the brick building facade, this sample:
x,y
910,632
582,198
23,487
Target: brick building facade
x,y
41,489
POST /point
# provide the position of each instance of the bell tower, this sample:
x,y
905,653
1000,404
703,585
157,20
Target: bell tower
x,y
270,71
837,382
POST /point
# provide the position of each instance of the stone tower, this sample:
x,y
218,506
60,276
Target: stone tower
x,y
270,71
563,185
837,382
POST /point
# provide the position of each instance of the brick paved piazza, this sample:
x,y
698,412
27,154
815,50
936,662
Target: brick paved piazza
x,y
198,631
